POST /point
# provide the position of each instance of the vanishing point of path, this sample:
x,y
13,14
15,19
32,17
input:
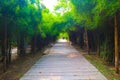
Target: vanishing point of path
x,y
63,62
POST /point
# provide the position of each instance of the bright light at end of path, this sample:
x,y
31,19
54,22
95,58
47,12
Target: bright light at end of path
x,y
49,4
62,40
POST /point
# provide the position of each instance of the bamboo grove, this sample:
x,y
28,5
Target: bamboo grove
x,y
91,24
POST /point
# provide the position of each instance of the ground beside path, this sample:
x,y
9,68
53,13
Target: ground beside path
x,y
63,62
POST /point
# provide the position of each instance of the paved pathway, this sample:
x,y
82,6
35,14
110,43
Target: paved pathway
x,y
63,63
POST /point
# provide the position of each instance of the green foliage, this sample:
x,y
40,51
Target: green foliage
x,y
95,12
63,34
31,17
28,15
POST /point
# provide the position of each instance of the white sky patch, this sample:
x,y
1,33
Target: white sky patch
x,y
50,4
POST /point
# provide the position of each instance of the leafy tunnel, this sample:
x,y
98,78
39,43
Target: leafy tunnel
x,y
91,24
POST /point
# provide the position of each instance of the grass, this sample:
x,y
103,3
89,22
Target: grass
x,y
107,70
20,66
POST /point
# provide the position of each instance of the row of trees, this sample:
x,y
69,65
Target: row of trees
x,y
93,24
89,23
22,22
97,24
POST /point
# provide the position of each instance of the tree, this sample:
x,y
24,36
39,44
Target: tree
x,y
96,13
116,46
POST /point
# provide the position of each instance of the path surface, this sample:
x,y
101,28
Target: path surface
x,y
63,63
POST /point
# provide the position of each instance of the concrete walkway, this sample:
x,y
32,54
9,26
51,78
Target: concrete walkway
x,y
63,63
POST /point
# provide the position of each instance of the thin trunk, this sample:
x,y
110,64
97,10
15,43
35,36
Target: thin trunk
x,y
87,43
116,46
21,48
35,38
18,45
98,45
33,44
4,49
98,49
9,52
81,40
78,39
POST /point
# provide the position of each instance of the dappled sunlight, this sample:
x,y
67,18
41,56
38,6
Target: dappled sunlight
x,y
52,51
72,55
51,78
49,4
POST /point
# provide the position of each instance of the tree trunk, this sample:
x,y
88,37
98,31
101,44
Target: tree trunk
x,y
9,52
35,38
87,43
4,48
81,39
116,45
33,44
21,48
98,45
98,49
